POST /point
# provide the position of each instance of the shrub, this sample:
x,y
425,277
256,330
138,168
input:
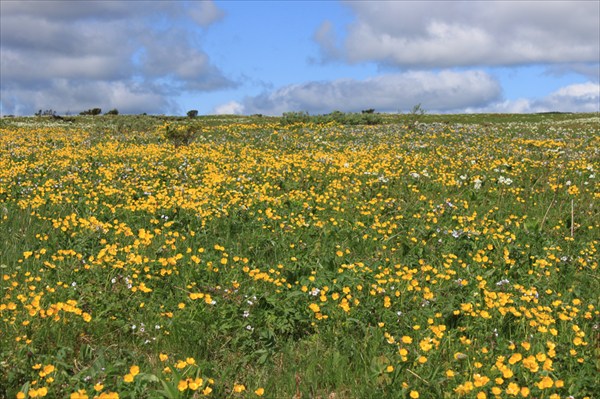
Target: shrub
x,y
180,134
415,116
289,118
113,111
48,112
91,111
192,113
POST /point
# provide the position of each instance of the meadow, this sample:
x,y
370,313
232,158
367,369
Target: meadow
x,y
240,257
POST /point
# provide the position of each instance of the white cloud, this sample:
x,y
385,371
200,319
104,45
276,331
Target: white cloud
x,y
441,92
205,13
112,47
230,108
466,33
65,96
581,97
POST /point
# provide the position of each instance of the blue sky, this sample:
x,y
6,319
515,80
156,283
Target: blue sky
x,y
247,57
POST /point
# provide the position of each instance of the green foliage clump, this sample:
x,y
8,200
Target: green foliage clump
x,y
180,134
91,111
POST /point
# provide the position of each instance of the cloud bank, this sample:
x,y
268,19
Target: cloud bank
x,y
133,56
443,92
466,33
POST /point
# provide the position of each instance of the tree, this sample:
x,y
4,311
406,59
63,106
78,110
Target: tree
x,y
113,111
192,113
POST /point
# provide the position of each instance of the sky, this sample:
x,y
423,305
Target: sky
x,y
271,57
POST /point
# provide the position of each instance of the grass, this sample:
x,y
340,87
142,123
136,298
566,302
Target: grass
x,y
452,258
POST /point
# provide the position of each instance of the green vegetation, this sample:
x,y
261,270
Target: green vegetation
x,y
302,256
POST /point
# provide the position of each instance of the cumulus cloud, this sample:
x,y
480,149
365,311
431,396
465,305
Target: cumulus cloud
x,y
581,97
466,33
230,108
126,53
441,92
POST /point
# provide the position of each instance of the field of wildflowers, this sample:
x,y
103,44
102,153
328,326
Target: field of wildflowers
x,y
455,259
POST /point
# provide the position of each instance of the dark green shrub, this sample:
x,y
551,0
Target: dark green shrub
x,y
91,111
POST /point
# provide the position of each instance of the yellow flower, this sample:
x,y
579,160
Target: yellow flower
x,y
545,382
573,190
128,378
48,369
414,394
513,389
182,385
260,392
98,387
407,340
81,394
515,358
20,395
479,380
134,370
163,357
237,388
